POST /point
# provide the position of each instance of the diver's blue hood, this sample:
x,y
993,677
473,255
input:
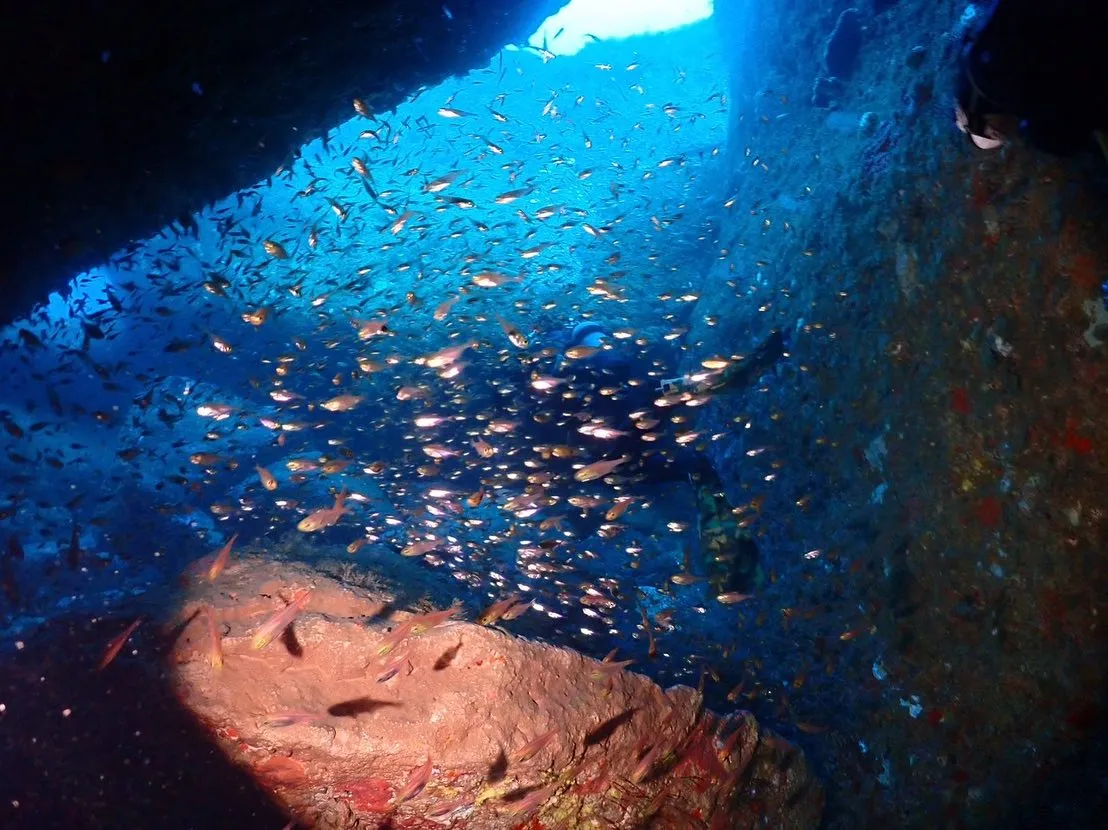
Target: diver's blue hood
x,y
594,335
587,334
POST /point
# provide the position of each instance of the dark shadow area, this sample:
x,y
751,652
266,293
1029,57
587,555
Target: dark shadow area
x,y
357,706
447,657
1072,792
125,755
289,640
609,727
498,768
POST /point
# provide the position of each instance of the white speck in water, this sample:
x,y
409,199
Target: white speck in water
x,y
878,496
914,707
879,670
886,777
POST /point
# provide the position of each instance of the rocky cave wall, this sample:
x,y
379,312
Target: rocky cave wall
x,y
936,439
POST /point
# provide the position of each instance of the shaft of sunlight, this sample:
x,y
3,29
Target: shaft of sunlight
x,y
581,21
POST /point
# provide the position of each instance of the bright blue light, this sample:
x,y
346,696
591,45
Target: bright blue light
x,y
612,19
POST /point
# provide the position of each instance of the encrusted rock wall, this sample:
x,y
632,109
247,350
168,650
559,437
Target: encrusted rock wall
x,y
930,504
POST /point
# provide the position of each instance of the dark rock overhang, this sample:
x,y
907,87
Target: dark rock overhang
x,y
122,116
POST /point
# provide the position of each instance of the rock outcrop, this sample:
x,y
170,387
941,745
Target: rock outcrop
x,y
357,715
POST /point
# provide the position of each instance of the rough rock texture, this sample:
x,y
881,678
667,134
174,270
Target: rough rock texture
x,y
840,54
468,698
127,115
937,440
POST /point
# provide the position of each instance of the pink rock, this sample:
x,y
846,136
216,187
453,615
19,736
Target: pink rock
x,y
307,718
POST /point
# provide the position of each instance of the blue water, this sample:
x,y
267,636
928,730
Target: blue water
x,y
106,389
591,188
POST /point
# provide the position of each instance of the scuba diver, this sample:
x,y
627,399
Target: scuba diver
x,y
602,358
728,552
735,376
595,338
1036,68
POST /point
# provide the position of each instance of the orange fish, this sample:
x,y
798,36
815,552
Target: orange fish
x,y
652,647
341,403
415,626
115,645
733,695
215,646
731,597
492,279
280,620
609,669
324,517
533,747
510,196
686,579
618,509
425,622
275,249
599,469
393,668
388,643
552,522
267,479
646,765
447,807
402,220
221,559
414,786
517,610
497,610
529,802
442,182
444,357
484,448
420,547
444,307
512,332
370,328
545,383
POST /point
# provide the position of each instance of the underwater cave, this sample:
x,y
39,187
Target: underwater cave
x,y
559,415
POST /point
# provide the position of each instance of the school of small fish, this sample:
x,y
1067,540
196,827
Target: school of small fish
x,y
368,343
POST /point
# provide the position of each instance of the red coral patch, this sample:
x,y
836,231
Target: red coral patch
x,y
988,512
959,401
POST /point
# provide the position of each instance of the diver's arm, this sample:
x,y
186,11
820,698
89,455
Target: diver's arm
x,y
737,376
